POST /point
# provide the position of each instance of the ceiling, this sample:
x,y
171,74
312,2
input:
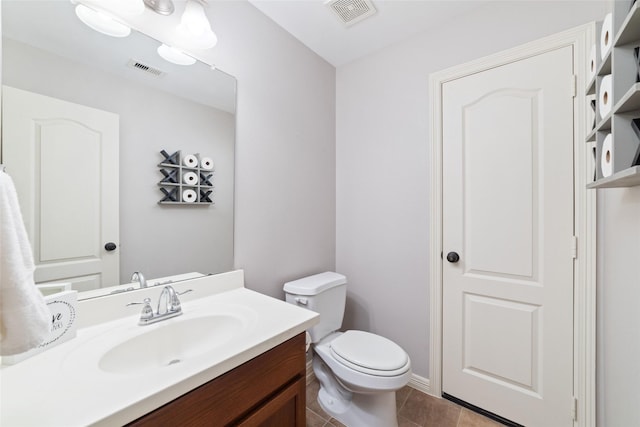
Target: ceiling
x,y
316,26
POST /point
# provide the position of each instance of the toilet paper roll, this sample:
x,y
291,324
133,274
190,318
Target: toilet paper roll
x,y
206,163
593,63
605,97
606,36
190,161
606,156
189,196
190,178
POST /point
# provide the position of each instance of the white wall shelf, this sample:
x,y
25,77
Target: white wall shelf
x,y
605,66
629,31
630,101
629,177
622,64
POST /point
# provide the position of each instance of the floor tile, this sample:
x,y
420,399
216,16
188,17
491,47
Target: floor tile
x,y
314,420
415,409
403,422
471,419
429,411
401,396
312,400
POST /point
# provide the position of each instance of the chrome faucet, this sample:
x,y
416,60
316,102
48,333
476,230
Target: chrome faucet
x,y
138,277
169,297
168,306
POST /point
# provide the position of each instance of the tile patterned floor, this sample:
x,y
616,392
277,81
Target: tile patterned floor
x,y
415,409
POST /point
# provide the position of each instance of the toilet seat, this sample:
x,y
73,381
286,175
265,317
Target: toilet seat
x,y
370,354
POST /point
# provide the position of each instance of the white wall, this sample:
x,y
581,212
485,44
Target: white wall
x,y
285,148
618,314
383,160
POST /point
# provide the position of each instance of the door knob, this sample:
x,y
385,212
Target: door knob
x,y
453,257
110,246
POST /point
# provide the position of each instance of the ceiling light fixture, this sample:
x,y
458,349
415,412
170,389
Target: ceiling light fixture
x,y
163,7
194,31
174,55
101,22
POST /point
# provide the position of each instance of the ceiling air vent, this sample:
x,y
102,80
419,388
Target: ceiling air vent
x,y
351,11
146,68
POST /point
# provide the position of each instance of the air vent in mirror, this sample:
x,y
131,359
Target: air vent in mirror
x,y
145,68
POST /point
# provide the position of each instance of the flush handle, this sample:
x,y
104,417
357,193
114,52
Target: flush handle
x,y
302,301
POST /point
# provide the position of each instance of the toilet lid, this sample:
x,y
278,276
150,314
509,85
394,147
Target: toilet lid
x,y
369,353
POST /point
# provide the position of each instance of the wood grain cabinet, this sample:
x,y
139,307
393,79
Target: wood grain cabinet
x,y
267,391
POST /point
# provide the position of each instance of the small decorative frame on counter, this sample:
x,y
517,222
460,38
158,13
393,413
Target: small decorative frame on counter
x,y
187,180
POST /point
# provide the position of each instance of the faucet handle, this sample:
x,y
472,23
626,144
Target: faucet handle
x,y
147,311
174,303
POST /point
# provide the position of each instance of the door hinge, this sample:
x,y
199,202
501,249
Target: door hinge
x,y
574,86
574,247
574,409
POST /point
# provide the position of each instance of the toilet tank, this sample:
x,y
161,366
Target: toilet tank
x,y
324,293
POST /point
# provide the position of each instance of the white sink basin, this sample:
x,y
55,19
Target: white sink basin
x,y
171,343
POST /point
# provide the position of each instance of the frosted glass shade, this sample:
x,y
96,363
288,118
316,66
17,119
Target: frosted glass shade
x,y
174,55
101,22
194,30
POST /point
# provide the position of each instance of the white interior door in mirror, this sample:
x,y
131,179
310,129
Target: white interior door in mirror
x,y
63,158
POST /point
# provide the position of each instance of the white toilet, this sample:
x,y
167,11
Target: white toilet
x,y
359,372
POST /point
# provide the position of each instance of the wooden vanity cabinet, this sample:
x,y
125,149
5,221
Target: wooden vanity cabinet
x,y
267,391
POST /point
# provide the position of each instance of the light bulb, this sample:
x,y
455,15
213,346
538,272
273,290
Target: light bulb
x,y
101,22
128,7
194,30
194,19
174,55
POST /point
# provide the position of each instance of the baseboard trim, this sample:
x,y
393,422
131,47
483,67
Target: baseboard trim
x,y
420,383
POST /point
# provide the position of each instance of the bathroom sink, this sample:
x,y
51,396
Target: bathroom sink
x,y
171,343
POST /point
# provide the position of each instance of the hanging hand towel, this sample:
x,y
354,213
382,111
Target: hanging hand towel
x,y
24,315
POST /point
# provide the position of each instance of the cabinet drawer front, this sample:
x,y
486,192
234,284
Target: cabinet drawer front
x,y
285,409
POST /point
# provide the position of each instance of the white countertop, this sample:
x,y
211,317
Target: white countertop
x,y
64,386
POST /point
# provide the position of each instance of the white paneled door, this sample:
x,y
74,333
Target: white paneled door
x,y
508,239
63,158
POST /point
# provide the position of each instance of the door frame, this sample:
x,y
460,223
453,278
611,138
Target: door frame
x,y
584,300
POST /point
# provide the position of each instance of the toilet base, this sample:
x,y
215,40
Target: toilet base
x,y
375,409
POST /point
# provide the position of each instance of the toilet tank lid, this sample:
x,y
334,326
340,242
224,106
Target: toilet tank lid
x,y
315,284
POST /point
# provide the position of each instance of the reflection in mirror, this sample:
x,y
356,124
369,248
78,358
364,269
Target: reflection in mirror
x,y
85,117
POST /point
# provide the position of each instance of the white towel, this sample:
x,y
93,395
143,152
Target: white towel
x,y
24,315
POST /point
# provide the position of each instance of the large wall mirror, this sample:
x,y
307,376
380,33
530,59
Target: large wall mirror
x,y
50,57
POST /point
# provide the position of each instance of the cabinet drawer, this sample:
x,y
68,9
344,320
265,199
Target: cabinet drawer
x,y
285,409
235,395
